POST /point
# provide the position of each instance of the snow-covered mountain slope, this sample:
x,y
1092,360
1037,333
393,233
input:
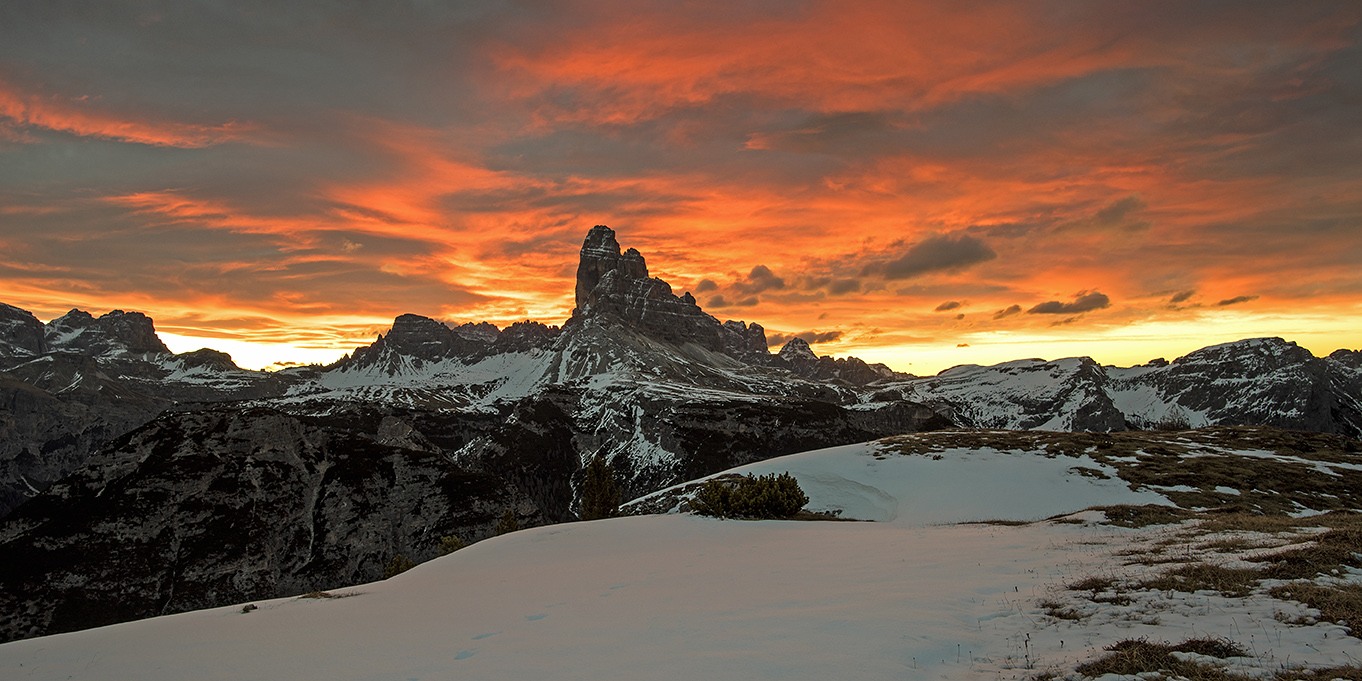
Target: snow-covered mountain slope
x,y
1258,381
681,597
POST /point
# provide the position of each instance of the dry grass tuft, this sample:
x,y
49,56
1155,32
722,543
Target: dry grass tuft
x,y
1329,554
1230,582
1350,672
1338,604
1140,656
1144,516
1060,611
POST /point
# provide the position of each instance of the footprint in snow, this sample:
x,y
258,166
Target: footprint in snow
x,y
465,654
532,618
479,637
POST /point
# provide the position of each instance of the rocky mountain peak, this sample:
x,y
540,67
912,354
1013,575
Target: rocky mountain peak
x,y
601,255
797,351
114,333
617,285
21,334
481,332
1348,358
208,358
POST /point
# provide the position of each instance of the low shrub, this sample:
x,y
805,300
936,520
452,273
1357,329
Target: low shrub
x,y
450,544
397,566
508,523
768,496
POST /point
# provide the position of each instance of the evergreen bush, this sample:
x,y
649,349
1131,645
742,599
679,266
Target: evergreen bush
x,y
450,544
508,522
600,493
397,566
768,496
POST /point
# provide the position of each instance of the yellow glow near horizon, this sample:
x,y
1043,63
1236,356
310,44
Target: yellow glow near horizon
x,y
1123,346
255,355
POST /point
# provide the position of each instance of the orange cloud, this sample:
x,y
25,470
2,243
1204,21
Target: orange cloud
x,y
79,117
875,157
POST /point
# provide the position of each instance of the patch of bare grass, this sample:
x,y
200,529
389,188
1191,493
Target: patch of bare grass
x,y
1328,554
1339,604
1141,656
1125,515
1230,582
1350,672
1060,611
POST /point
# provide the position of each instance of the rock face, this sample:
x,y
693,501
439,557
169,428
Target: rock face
x,y
114,333
613,284
21,334
200,509
800,359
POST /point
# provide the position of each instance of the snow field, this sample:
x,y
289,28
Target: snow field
x,y
682,597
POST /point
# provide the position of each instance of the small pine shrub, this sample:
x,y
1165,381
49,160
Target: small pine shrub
x,y
768,496
600,493
450,544
397,566
508,522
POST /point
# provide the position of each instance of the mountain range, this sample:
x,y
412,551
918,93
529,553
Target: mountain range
x,y
136,482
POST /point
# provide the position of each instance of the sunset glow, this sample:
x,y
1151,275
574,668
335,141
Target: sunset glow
x,y
918,183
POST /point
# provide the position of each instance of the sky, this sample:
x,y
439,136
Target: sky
x,y
921,183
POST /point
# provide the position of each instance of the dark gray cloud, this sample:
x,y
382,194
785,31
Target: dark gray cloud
x,y
1236,300
760,280
949,305
1117,215
719,302
706,285
778,339
843,286
936,253
1007,312
1085,301
1182,296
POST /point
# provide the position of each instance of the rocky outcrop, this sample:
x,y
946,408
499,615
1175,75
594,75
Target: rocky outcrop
x,y
746,343
199,509
114,333
798,357
206,359
615,284
21,335
1348,358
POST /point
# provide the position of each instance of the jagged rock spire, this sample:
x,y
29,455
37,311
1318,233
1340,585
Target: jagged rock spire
x,y
601,254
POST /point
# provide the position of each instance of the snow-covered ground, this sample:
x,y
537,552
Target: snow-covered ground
x,y
682,597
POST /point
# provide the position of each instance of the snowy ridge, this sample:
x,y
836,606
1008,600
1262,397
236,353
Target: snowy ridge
x,y
1266,381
